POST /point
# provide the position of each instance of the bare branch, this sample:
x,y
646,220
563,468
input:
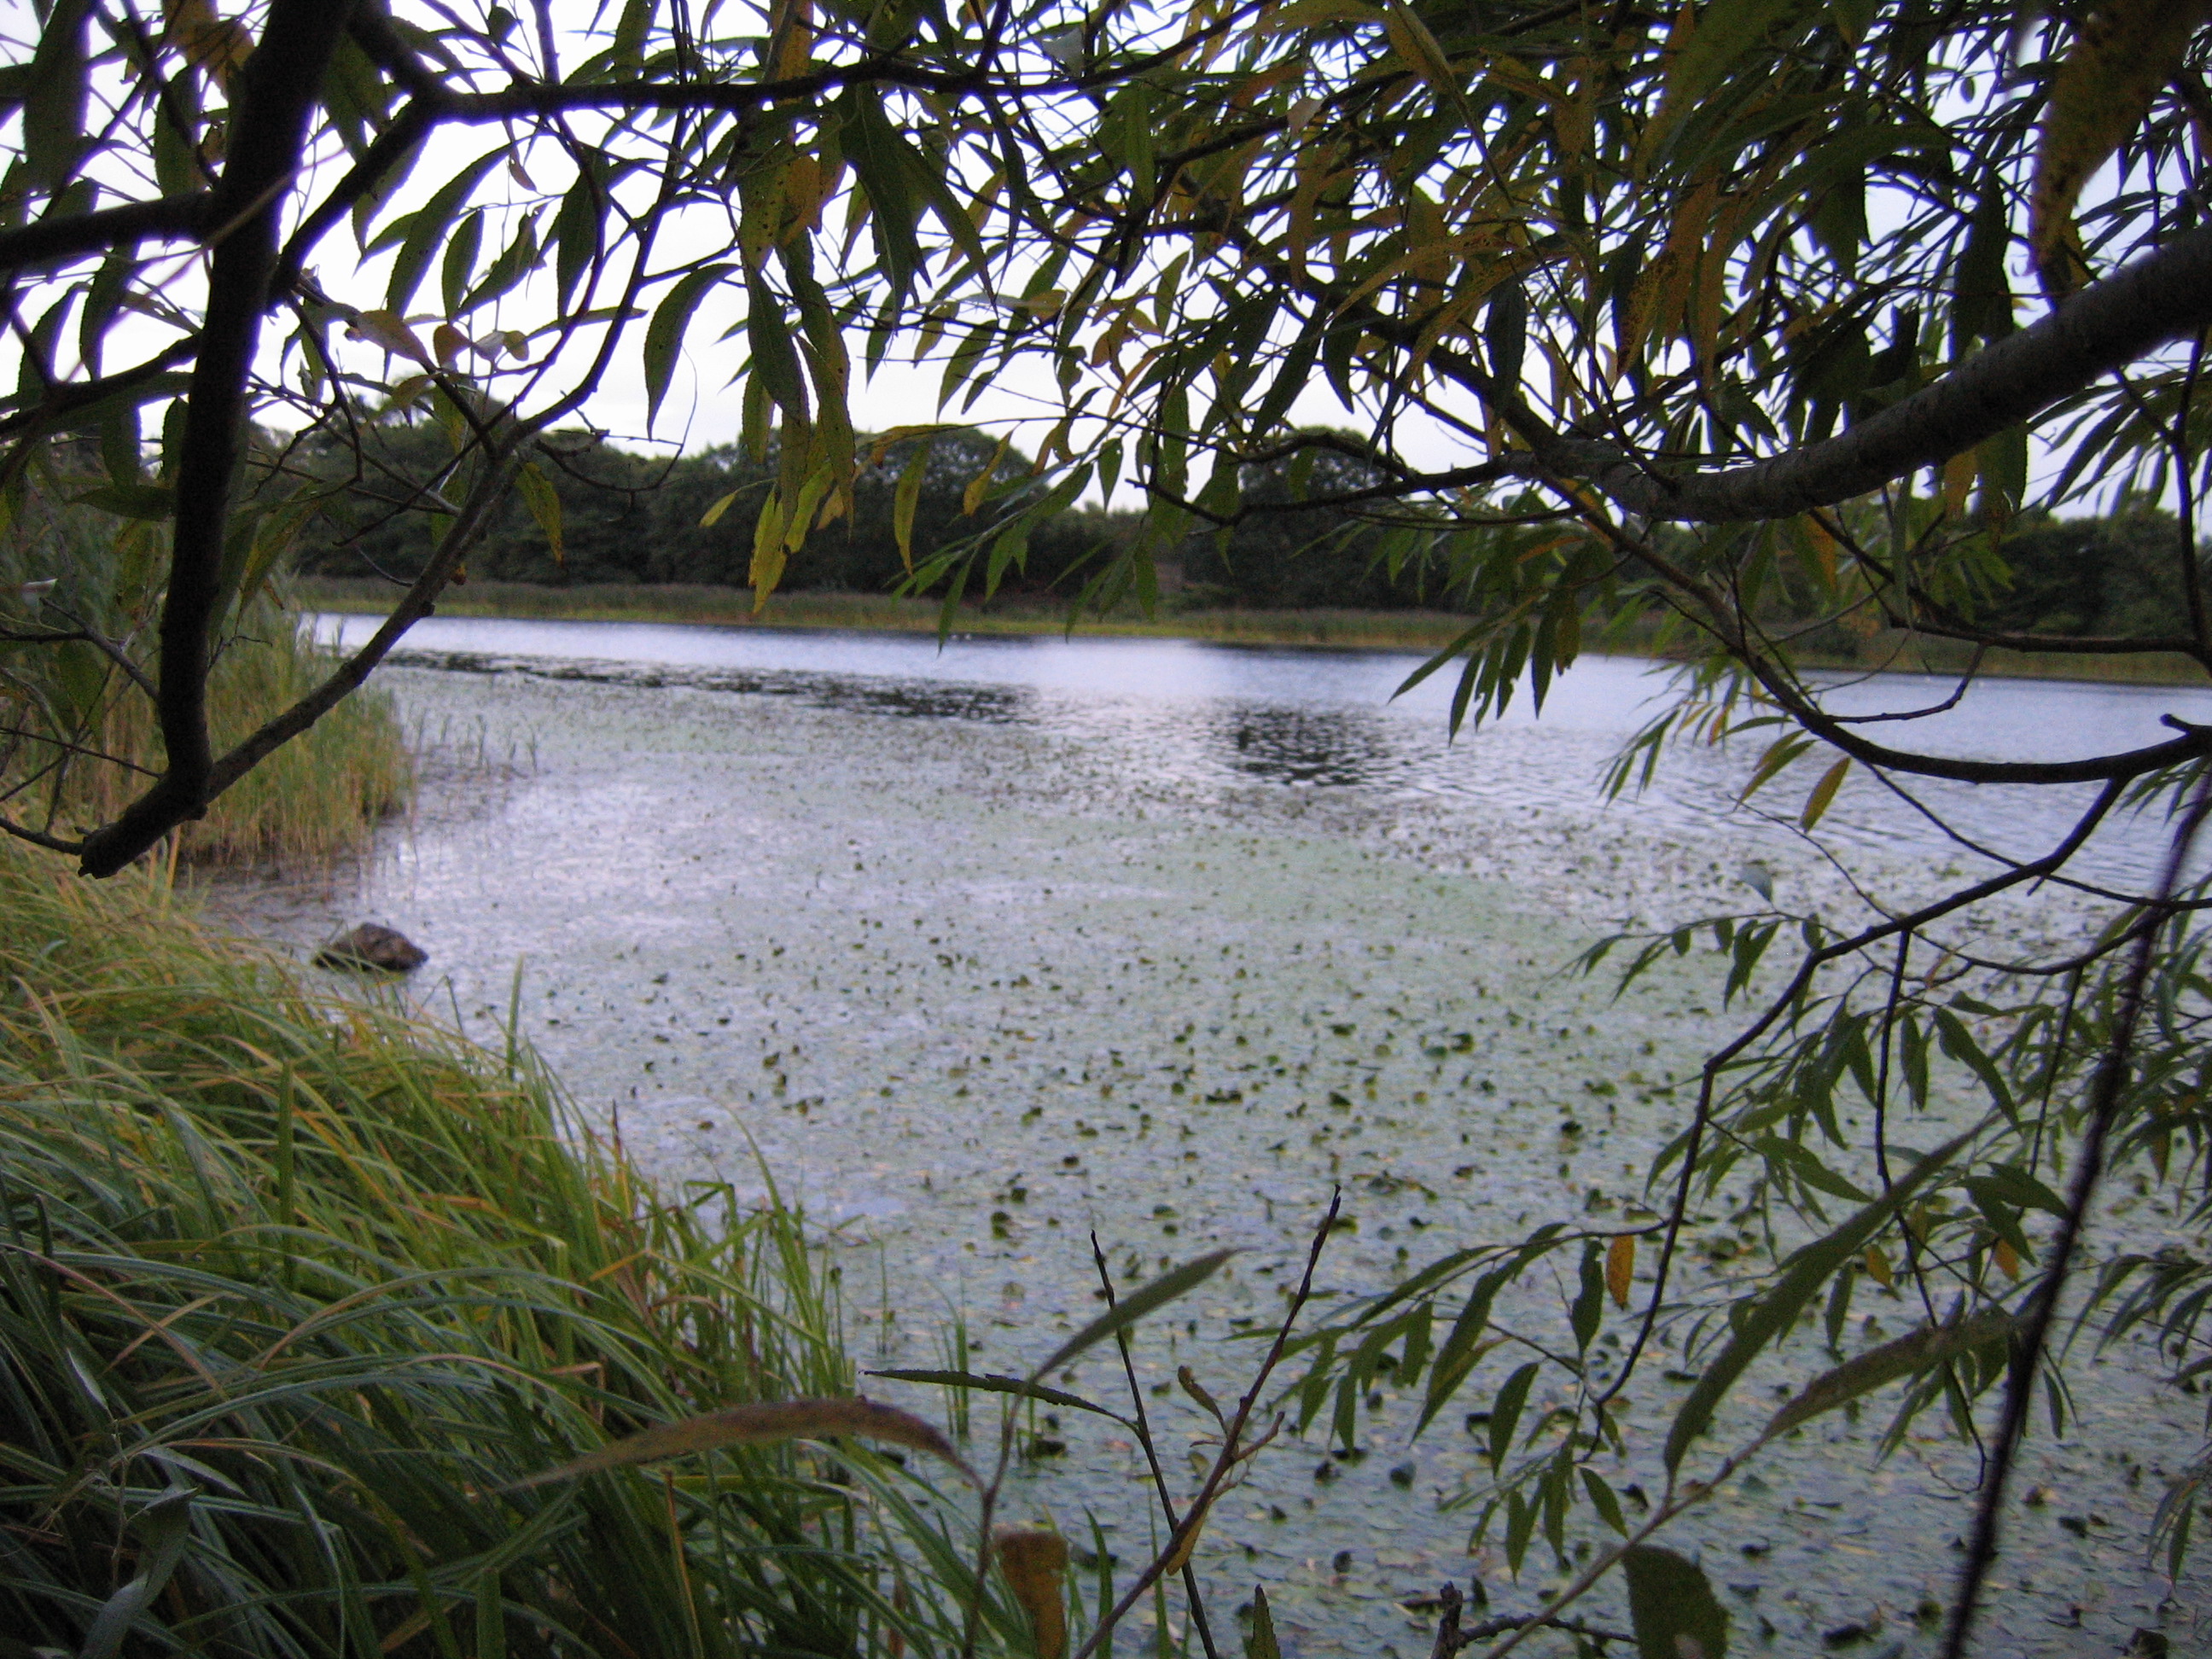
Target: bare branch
x,y
50,238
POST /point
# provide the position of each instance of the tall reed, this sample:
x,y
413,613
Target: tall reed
x,y
293,1285
316,797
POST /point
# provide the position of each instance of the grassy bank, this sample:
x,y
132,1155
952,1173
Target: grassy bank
x,y
1405,630
1396,630
292,1284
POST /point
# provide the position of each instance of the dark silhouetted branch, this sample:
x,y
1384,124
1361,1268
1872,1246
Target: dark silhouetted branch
x,y
276,93
2162,298
100,232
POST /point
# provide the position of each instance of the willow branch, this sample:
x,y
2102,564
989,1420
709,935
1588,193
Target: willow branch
x,y
276,93
52,238
2163,297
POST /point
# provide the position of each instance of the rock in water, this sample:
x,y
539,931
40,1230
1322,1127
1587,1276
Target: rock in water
x,y
371,948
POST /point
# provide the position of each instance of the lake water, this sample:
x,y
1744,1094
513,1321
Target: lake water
x,y
1204,712
982,951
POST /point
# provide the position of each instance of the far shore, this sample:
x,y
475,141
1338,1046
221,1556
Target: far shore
x,y
1390,630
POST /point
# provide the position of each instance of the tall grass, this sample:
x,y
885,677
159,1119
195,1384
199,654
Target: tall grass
x,y
320,796
292,1286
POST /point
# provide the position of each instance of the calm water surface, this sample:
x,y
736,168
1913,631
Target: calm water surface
x,y
1317,718
987,950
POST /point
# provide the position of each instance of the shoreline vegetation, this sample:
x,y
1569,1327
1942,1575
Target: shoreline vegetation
x,y
711,605
299,1283
317,798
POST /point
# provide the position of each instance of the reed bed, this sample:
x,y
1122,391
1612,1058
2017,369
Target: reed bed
x,y
319,797
294,1285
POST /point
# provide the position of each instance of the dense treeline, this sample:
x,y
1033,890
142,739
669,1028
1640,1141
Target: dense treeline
x,y
2115,576
630,518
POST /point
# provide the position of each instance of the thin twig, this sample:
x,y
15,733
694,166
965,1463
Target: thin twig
x,y
2105,1093
1144,1428
1232,1449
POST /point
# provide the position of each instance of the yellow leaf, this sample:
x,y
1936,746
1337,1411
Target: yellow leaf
x,y
1621,1268
768,554
215,47
1958,479
792,44
1823,794
449,342
2125,52
1035,1564
389,330
2007,1259
712,515
766,1423
1877,1266
972,497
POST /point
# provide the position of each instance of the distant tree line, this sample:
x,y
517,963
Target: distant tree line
x,y
626,517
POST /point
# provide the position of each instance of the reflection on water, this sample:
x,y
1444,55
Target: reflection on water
x,y
1205,715
1296,745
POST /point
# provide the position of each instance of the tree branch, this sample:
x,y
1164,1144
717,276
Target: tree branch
x,y
107,228
2162,298
276,93
67,398
491,491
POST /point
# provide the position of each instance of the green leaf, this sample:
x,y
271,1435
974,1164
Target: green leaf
x,y
1519,1528
54,97
1778,755
878,157
2016,1186
776,359
1603,1499
1261,1642
1907,1355
663,334
1589,1298
1146,1298
516,261
1505,1412
575,235
1460,1352
906,497
460,262
1824,793
1766,1318
163,1528
1959,1042
1505,333
1671,1607
544,501
152,502
1726,31
426,230
992,1384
